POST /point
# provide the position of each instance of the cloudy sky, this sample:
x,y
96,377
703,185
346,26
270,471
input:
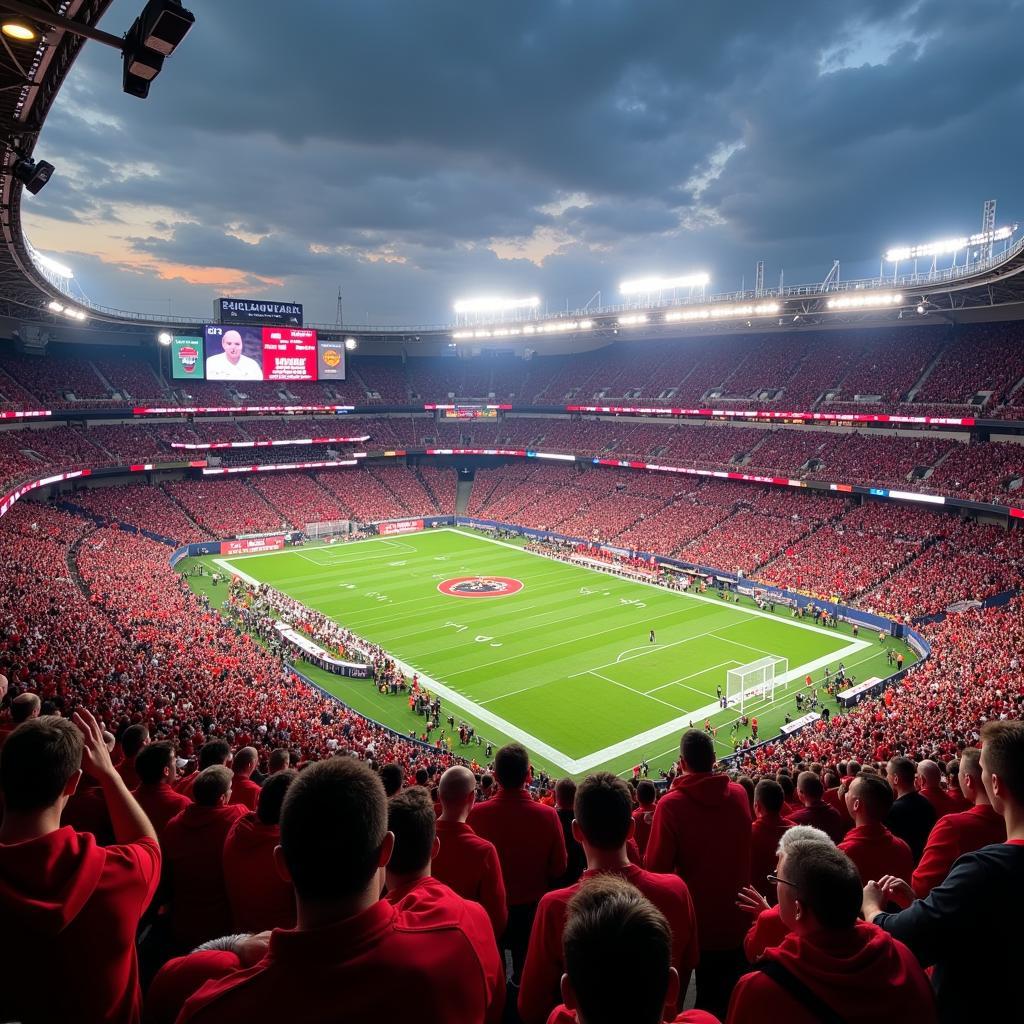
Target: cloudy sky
x,y
414,151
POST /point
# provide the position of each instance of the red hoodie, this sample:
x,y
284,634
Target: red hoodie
x,y
701,832
877,852
954,835
260,898
70,909
862,973
193,845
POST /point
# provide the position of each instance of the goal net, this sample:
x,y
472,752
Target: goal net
x,y
756,682
321,531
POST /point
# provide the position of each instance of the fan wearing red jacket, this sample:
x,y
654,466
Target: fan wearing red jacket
x,y
961,832
530,843
193,845
869,844
768,828
70,908
259,897
831,965
352,957
155,767
133,740
464,861
617,949
243,790
701,832
643,816
215,751
603,824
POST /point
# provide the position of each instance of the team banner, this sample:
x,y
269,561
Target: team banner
x,y
187,361
251,545
402,526
254,311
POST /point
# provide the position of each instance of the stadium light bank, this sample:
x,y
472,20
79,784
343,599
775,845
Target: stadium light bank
x,y
654,285
528,330
494,305
947,246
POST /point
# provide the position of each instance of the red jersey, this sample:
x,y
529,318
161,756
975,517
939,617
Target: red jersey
x,y
701,832
70,910
245,792
820,815
939,799
864,974
193,846
952,836
643,819
259,897
529,840
539,989
877,852
765,833
428,958
469,865
161,803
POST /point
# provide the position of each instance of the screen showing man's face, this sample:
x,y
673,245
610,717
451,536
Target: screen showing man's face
x,y
232,345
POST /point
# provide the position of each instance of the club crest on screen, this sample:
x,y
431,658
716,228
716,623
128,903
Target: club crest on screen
x,y
480,586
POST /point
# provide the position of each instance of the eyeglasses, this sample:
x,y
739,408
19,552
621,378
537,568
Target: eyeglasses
x,y
775,880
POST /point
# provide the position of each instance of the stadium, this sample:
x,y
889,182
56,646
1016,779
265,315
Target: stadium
x,y
629,590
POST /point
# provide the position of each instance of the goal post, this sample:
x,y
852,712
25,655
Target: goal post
x,y
756,681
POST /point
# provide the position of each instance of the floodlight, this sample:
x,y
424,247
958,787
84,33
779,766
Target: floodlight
x,y
920,308
350,343
19,29
32,174
947,246
633,321
164,23
495,305
164,338
48,263
648,285
55,307
720,311
866,300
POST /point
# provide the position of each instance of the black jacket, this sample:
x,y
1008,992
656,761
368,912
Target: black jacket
x,y
911,818
971,928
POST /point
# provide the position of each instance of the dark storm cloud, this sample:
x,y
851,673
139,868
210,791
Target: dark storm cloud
x,y
385,145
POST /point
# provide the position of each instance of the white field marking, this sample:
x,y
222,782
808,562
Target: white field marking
x,y
514,693
693,675
664,647
228,567
639,693
756,613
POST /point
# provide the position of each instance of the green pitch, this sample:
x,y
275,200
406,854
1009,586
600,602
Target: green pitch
x,y
564,664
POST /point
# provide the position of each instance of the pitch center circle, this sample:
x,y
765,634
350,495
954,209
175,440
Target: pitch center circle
x,y
480,586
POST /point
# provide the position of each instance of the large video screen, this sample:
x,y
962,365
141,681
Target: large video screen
x,y
259,353
186,357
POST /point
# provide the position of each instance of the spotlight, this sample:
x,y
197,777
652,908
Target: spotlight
x,y
164,338
55,307
32,174
350,343
19,29
154,34
920,308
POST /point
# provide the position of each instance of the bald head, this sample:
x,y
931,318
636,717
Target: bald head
x,y
245,761
457,792
929,774
25,706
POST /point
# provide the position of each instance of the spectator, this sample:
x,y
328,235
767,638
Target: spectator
x,y
929,785
609,925
334,847
912,816
565,795
155,766
815,812
70,908
280,760
243,790
643,816
968,928
133,739
603,824
391,776
767,830
213,752
258,896
528,838
23,707
193,845
768,928
961,832
830,966
466,862
869,844
701,832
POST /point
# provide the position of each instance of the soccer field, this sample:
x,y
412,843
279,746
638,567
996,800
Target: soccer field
x,y
558,656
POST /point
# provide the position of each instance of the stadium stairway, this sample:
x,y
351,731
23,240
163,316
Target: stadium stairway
x,y
463,492
919,383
